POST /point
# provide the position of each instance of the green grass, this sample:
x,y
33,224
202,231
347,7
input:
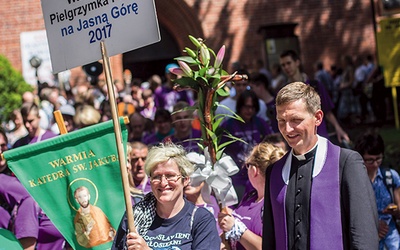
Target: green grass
x,y
391,137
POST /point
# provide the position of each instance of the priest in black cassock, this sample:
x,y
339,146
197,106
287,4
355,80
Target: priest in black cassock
x,y
318,196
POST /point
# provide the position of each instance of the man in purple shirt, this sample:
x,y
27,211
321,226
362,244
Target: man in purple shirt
x,y
163,124
138,157
20,213
31,118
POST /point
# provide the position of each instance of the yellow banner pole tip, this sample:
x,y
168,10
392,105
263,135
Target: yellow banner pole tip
x,y
126,119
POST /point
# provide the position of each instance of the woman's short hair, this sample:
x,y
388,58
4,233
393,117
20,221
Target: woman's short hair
x,y
168,151
264,155
241,101
86,115
162,114
370,143
299,91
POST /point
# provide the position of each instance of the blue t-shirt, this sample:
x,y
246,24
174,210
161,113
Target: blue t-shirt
x,y
179,232
384,198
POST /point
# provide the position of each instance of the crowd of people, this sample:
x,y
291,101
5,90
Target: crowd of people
x,y
296,189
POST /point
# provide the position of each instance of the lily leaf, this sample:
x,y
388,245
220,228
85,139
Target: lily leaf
x,y
203,72
187,82
187,59
219,154
217,122
222,92
203,80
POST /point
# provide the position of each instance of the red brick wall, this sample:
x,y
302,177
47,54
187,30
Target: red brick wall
x,y
326,29
17,17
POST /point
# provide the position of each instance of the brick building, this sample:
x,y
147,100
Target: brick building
x,y
318,29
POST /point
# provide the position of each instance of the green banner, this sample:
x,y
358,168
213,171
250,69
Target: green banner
x,y
75,178
8,240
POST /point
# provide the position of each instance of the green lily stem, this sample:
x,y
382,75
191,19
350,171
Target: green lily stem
x,y
208,116
208,124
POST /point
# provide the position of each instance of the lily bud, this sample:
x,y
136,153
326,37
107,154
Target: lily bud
x,y
211,71
177,71
195,41
204,55
220,57
190,52
186,69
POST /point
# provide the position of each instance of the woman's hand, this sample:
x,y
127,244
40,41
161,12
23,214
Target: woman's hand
x,y
393,210
135,241
383,229
225,221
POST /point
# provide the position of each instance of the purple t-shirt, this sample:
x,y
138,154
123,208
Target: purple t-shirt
x,y
13,194
252,132
189,143
326,105
28,219
271,114
250,213
146,188
165,97
155,138
4,218
27,140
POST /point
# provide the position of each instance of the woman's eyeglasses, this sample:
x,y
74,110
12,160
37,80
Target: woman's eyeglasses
x,y
169,177
378,160
247,165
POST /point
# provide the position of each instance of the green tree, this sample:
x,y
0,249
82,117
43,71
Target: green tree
x,y
12,86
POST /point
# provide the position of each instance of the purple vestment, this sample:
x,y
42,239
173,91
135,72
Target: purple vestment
x,y
325,215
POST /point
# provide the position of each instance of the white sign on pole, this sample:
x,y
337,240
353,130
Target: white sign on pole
x,y
34,43
76,27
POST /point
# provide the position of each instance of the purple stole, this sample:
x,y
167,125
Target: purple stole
x,y
325,214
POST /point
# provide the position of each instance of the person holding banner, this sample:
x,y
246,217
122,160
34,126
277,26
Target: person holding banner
x,y
164,218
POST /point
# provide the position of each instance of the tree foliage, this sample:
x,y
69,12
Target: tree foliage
x,y
12,86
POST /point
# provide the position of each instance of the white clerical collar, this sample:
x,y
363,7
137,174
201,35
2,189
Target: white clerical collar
x,y
303,156
319,160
